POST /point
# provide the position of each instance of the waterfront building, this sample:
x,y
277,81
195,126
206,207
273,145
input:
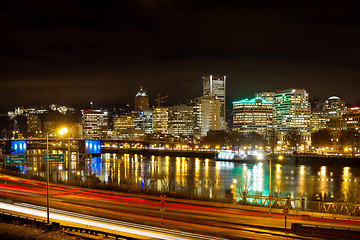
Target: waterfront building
x,y
141,100
208,114
181,120
124,127
160,120
334,106
123,122
291,110
144,121
318,120
215,86
352,119
95,124
33,125
254,115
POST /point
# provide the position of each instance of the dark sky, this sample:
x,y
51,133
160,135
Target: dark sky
x,y
74,52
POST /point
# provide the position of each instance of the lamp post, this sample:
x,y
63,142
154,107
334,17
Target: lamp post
x,y
270,195
61,132
47,179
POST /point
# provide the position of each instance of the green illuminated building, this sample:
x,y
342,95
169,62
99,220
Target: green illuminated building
x,y
254,115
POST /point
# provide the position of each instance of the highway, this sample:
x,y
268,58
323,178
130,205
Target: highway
x,y
125,212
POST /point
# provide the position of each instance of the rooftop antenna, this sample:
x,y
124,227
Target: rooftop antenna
x,y
91,105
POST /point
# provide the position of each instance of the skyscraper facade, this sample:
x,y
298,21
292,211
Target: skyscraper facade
x,y
160,120
144,121
95,124
33,125
215,86
141,101
291,110
208,114
254,115
181,120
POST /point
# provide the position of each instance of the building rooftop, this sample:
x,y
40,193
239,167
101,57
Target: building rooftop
x,y
254,100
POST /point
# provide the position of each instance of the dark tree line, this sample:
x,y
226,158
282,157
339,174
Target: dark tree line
x,y
234,138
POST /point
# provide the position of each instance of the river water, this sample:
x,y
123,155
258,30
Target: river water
x,y
202,177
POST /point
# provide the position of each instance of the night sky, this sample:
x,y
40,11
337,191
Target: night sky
x,y
74,52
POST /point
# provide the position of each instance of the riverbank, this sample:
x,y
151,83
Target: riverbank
x,y
316,159
161,152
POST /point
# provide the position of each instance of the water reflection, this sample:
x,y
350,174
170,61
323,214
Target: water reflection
x,y
195,176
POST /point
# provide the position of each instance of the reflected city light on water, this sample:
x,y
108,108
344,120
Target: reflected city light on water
x,y
197,176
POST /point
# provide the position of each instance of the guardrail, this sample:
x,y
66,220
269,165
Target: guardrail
x,y
340,208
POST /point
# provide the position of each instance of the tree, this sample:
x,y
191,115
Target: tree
x,y
294,139
321,138
271,139
253,138
349,139
243,188
92,181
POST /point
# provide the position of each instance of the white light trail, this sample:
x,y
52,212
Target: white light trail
x,y
103,223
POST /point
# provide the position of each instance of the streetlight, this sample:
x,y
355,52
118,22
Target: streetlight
x,y
61,132
64,131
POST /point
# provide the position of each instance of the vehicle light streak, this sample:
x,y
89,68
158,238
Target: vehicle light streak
x,y
102,223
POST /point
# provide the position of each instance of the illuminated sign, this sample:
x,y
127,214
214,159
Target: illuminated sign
x,y
93,146
18,147
354,108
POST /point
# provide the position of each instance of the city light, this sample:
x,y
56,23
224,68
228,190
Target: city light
x,y
63,131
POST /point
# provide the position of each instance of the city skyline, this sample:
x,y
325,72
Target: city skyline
x,y
73,53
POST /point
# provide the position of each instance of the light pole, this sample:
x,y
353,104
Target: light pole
x,y
270,195
61,132
47,179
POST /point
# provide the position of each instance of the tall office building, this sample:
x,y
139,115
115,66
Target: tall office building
x,y
144,121
33,125
215,86
123,122
160,120
141,100
291,110
95,124
318,120
254,115
181,120
209,114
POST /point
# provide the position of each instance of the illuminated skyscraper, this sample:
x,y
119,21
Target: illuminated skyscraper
x,y
254,115
208,114
215,86
141,100
144,121
181,120
33,125
160,120
95,124
291,110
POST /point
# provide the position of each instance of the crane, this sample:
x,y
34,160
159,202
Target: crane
x,y
158,100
